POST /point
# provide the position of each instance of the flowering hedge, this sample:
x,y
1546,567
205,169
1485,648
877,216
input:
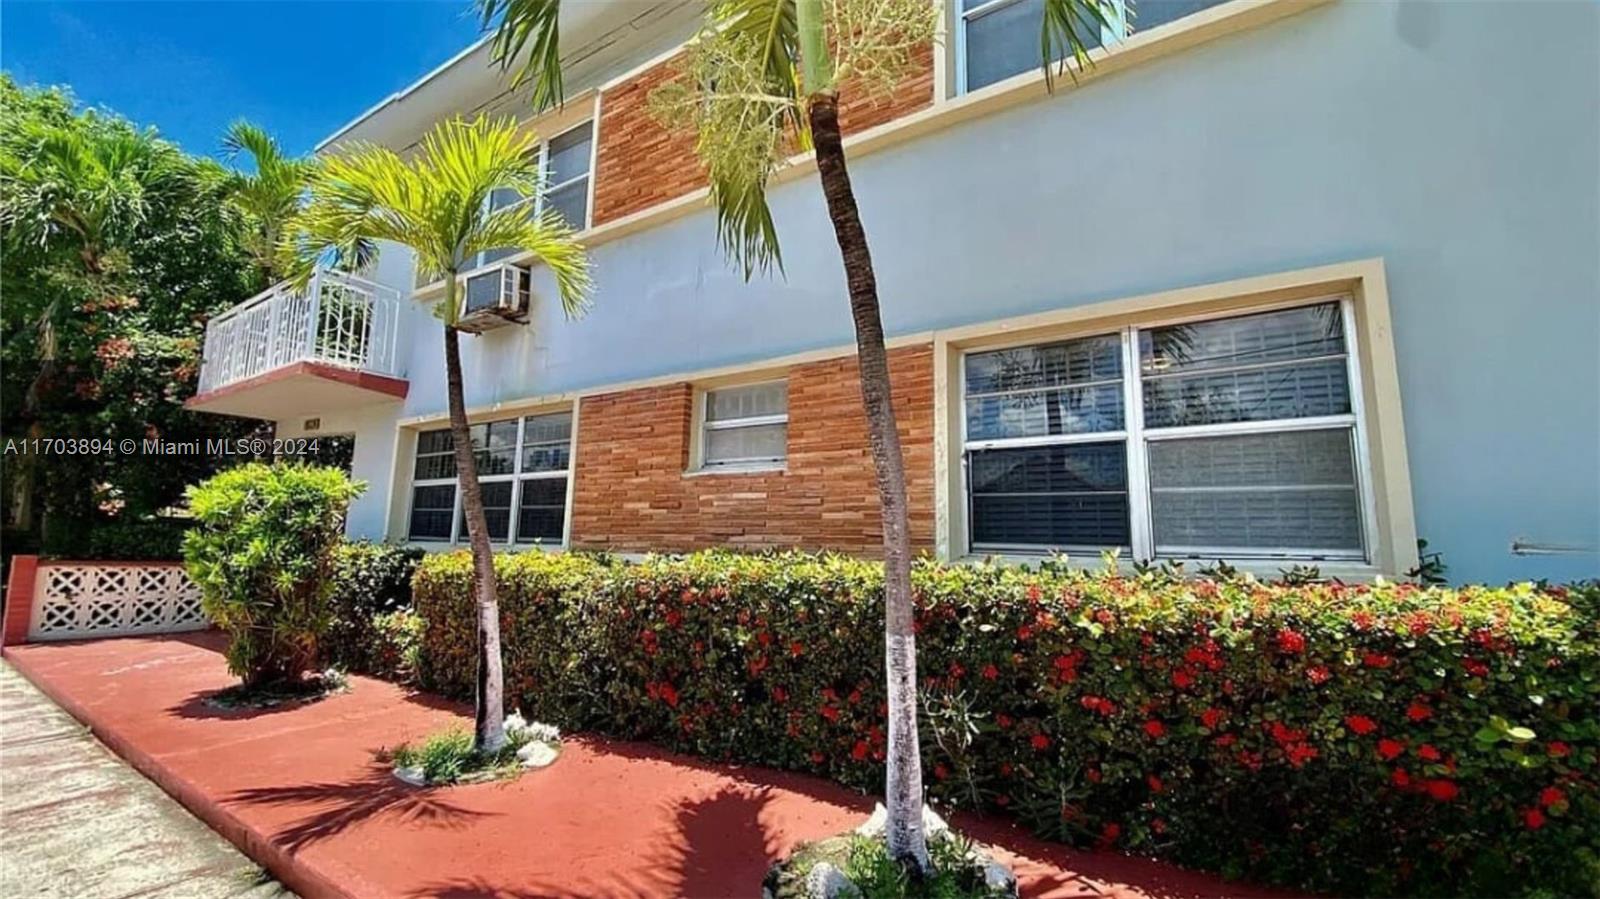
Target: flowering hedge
x,y
1379,740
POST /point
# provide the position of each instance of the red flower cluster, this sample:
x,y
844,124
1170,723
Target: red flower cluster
x,y
663,691
1099,704
1441,790
1360,724
1067,666
1291,641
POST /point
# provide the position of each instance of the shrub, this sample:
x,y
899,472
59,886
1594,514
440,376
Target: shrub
x,y
262,552
372,628
154,539
1383,739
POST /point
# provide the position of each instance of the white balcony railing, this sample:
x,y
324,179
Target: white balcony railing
x,y
337,319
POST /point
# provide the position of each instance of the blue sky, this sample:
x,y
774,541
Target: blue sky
x,y
301,69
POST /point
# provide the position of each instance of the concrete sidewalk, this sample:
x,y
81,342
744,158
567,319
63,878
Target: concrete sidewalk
x,y
77,822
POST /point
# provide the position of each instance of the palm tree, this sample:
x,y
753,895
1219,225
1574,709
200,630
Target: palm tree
x,y
437,205
271,195
87,188
762,75
84,191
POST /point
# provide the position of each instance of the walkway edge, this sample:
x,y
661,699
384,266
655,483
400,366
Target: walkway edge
x,y
282,864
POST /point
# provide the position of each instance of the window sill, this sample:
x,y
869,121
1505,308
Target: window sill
x,y
444,546
1263,569
713,470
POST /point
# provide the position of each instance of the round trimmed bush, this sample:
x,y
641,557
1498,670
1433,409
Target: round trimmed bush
x,y
262,552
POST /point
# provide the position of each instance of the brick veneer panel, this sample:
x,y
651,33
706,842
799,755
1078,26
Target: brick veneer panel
x,y
639,164
631,492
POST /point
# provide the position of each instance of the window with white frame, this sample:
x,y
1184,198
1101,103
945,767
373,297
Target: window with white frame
x,y
997,39
564,160
745,426
1233,437
524,466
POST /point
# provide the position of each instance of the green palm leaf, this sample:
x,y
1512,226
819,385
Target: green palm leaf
x,y
1065,25
529,30
437,205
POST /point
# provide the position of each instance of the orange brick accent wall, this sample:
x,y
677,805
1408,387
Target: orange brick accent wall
x,y
639,164
631,492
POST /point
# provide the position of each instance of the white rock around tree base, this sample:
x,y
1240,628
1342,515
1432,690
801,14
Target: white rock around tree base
x,y
932,824
827,882
537,754
412,776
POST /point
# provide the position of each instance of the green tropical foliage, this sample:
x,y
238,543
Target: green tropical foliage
x,y
264,551
116,246
436,204
373,629
269,195
763,78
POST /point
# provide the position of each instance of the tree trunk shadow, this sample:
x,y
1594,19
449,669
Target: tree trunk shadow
x,y
333,808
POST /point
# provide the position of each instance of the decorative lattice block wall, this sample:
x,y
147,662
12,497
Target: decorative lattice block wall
x,y
75,600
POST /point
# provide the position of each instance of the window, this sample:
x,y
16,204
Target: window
x,y
996,39
564,160
523,465
1000,38
1231,437
745,426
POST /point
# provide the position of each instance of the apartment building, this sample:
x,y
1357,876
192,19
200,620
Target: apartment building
x,y
1274,281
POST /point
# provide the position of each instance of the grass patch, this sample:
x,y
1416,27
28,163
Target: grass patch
x,y
448,757
957,869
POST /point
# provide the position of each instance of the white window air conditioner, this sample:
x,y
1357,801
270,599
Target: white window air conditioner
x,y
494,298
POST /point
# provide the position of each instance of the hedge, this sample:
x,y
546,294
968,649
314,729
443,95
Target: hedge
x,y
372,628
1360,740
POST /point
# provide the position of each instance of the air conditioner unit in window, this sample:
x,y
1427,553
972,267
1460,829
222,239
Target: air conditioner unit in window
x,y
494,298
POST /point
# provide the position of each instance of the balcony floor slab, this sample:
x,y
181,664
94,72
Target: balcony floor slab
x,y
298,389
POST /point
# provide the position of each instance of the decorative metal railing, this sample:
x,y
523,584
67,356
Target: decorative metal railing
x,y
336,319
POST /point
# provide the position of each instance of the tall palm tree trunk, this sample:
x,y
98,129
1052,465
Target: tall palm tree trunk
x,y
489,726
906,840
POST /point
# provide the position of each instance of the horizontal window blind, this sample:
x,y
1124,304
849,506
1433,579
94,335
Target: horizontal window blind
x,y
1243,431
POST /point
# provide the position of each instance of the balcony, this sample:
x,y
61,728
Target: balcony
x,y
331,346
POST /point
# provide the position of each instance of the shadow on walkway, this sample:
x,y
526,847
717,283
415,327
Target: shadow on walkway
x,y
336,807
719,847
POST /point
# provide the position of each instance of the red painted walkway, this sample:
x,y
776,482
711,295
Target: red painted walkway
x,y
298,789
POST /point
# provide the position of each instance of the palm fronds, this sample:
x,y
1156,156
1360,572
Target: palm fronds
x,y
1064,33
436,205
529,30
269,196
